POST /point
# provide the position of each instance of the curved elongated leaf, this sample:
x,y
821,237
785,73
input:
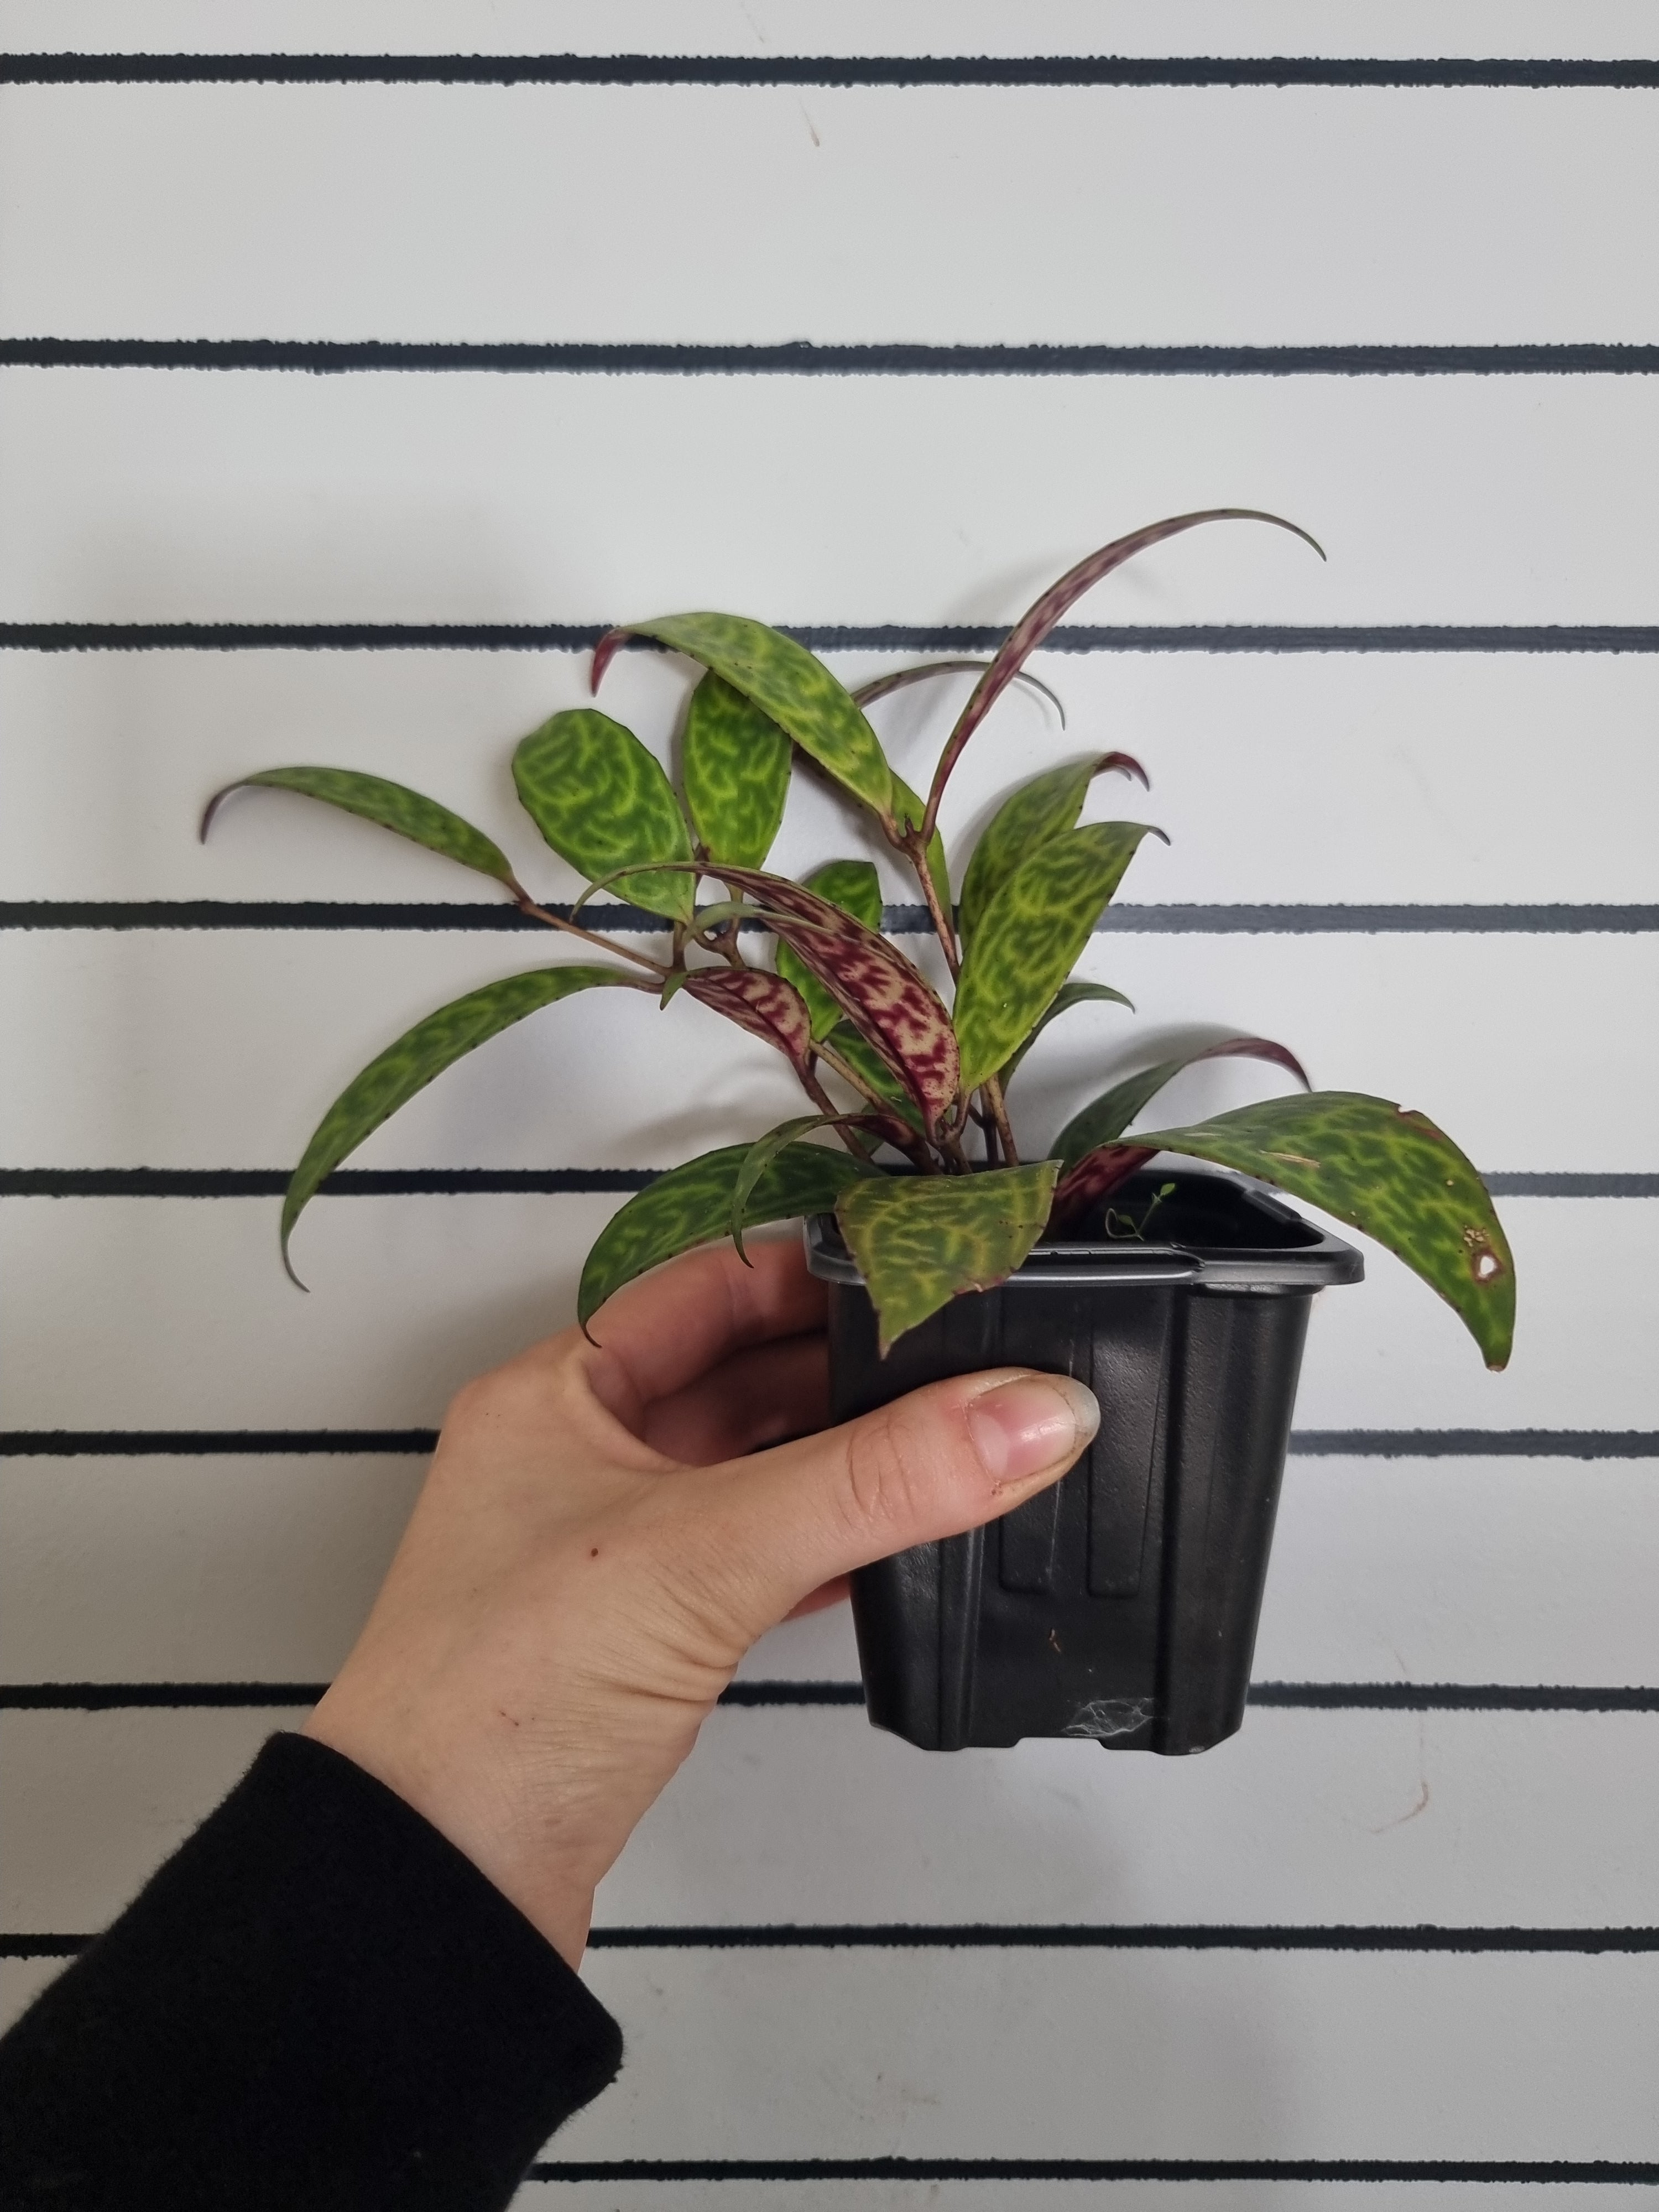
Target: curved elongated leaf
x,y
393,805
886,998
855,887
900,679
1068,995
1032,815
692,1205
764,1150
920,1240
867,1064
908,812
766,1006
1387,1171
1109,1116
1030,937
785,682
735,763
1035,624
392,1078
603,803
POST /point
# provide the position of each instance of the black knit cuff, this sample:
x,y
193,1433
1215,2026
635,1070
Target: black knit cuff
x,y
319,2001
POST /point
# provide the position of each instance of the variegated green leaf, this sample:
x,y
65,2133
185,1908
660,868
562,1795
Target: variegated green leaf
x,y
919,1240
761,1155
692,1205
1110,1115
1384,1170
392,1079
1030,938
1037,811
603,803
393,805
734,761
1068,995
908,811
853,887
785,682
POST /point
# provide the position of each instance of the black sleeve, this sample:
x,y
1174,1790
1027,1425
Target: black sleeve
x,y
319,2003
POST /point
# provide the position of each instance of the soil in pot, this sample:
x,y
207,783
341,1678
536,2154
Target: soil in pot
x,y
1122,1603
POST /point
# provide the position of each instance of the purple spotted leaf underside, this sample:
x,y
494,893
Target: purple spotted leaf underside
x,y
887,998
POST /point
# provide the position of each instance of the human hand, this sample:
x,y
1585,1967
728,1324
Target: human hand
x,y
606,1529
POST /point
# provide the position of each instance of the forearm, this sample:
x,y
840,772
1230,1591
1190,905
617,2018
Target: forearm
x,y
318,2000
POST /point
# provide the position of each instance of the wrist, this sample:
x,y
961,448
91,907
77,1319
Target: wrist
x,y
478,1818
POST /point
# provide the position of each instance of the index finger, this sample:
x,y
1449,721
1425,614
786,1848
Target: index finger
x,y
670,1327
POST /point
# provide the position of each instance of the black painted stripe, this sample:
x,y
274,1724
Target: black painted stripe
x,y
197,1443
976,1936
1554,919
1622,2173
838,637
802,357
471,1182
1476,1443
345,1183
1348,1443
1296,1696
1551,74
972,1936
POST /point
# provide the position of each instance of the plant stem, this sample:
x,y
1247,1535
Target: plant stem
x,y
991,1092
527,905
912,844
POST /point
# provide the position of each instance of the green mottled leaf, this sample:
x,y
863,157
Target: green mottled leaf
x,y
1388,1172
785,682
603,803
1030,938
735,763
1068,995
852,885
1110,1115
865,1062
919,1240
392,1079
692,1205
761,1155
393,805
1038,811
910,812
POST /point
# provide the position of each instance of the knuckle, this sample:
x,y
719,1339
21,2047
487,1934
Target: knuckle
x,y
888,1470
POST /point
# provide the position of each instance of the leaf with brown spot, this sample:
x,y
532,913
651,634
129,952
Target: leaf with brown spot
x,y
1386,1171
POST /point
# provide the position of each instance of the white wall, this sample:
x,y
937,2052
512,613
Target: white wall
x,y
1458,823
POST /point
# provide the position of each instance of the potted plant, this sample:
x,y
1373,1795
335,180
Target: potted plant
x,y
1120,1605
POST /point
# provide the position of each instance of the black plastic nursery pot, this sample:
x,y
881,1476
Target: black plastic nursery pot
x,y
1121,1604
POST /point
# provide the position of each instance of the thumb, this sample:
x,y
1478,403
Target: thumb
x,y
945,1459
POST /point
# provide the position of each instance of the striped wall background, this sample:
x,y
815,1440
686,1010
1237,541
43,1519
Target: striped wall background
x,y
350,383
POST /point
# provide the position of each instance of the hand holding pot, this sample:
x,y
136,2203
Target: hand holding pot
x,y
606,1529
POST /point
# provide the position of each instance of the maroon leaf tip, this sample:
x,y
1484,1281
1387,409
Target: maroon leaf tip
x,y
604,653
